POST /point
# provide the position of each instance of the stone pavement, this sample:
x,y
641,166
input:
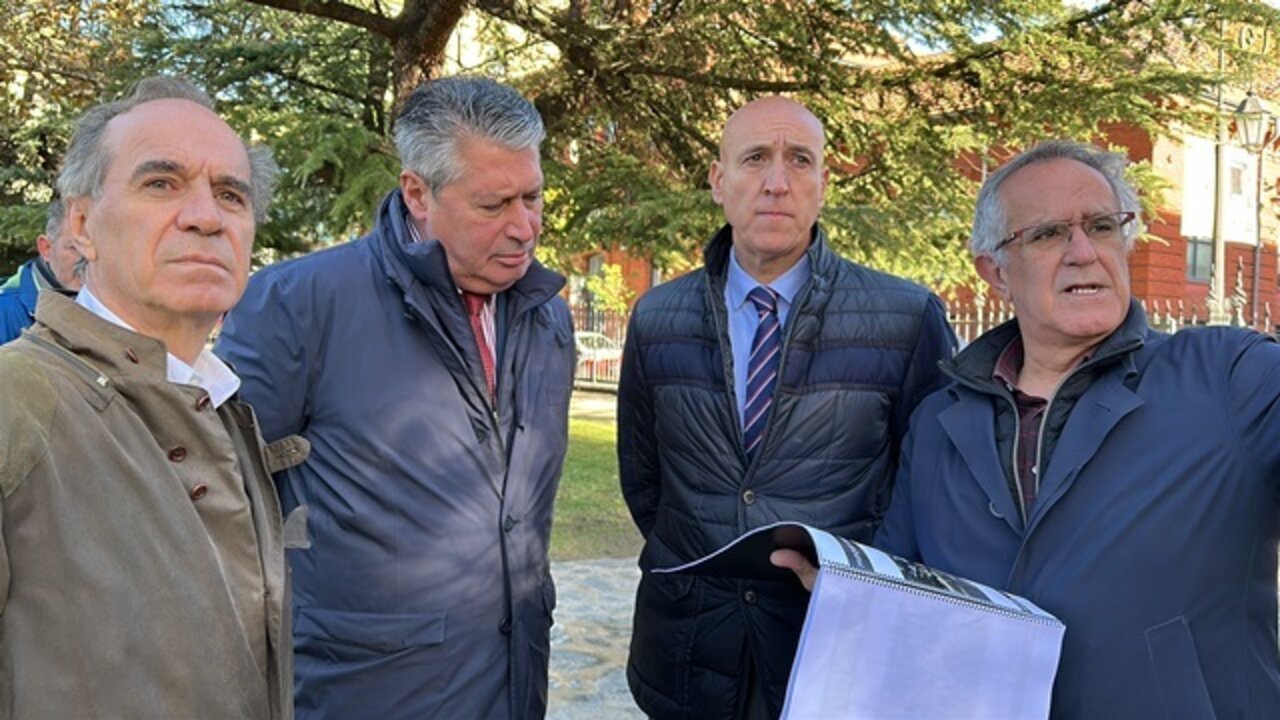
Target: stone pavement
x,y
590,638
593,619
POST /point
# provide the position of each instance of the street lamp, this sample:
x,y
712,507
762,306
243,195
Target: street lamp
x,y
1253,121
1251,118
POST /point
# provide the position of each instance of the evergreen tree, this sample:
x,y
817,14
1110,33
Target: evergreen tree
x,y
918,97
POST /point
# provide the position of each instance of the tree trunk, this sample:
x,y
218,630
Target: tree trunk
x,y
425,27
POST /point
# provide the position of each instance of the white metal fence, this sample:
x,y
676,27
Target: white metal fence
x,y
599,362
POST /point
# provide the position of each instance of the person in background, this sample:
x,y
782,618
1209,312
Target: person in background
x,y
54,268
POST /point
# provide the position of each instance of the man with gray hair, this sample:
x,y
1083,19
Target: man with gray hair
x,y
1125,480
430,365
54,268
142,567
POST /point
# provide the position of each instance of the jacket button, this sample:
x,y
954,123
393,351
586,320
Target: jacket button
x,y
203,403
750,597
504,627
199,491
178,453
509,523
749,496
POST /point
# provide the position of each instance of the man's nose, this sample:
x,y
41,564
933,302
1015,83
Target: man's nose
x,y
200,212
775,179
1079,248
524,222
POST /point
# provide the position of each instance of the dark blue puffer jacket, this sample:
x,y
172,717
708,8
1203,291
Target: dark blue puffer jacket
x,y
861,349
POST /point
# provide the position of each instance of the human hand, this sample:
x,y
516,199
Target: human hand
x,y
796,563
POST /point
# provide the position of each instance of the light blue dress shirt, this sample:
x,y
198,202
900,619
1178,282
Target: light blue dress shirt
x,y
743,318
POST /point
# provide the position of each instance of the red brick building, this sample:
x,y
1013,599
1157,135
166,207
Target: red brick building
x,y
1170,268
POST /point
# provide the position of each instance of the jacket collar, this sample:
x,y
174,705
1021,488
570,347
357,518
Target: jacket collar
x,y
973,366
409,264
715,256
1103,405
110,349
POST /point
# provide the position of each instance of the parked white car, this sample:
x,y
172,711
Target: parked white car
x,y
599,356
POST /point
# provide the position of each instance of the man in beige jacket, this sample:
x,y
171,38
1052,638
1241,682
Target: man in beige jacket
x,y
141,564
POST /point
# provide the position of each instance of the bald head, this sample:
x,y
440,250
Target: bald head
x,y
773,110
770,180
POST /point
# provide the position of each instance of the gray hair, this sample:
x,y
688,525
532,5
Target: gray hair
x,y
444,112
53,219
990,223
85,166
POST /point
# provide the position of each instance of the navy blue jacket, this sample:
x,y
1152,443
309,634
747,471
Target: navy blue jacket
x,y
18,302
426,590
861,349
1154,533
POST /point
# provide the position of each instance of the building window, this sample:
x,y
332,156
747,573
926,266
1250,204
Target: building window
x,y
1237,180
1199,259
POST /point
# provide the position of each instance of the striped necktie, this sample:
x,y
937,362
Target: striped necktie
x,y
475,313
762,367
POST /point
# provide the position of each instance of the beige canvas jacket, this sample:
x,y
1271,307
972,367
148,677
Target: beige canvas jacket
x,y
142,572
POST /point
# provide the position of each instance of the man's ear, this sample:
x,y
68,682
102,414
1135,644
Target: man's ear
x,y
989,270
77,227
44,246
416,193
715,176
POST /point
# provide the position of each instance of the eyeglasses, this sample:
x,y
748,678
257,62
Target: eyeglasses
x,y
1105,229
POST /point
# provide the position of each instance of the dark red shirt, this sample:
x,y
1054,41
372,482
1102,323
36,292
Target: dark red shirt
x,y
1030,413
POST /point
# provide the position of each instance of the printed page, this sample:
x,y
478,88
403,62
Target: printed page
x,y
888,639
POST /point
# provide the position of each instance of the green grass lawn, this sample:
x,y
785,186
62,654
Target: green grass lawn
x,y
591,520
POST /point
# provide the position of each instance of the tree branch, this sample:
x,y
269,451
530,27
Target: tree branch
x,y
723,82
378,24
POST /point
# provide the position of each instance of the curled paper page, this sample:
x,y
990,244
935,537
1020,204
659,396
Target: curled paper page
x,y
887,638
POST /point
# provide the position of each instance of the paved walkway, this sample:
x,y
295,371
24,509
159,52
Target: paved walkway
x,y
593,619
587,405
590,638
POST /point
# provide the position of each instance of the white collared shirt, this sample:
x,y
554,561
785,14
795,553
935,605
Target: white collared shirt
x,y
209,372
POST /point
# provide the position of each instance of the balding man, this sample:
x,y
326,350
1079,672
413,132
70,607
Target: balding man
x,y
773,384
141,565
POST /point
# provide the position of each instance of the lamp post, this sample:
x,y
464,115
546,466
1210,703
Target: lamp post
x,y
1253,122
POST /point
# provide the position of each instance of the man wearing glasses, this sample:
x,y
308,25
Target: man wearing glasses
x,y
1125,480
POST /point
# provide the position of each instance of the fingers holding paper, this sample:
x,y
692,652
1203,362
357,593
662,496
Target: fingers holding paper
x,y
796,563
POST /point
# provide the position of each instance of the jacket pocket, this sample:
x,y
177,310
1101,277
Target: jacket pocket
x,y
357,665
656,554
1183,693
377,632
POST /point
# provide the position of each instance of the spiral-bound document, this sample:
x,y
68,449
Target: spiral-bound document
x,y
888,639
